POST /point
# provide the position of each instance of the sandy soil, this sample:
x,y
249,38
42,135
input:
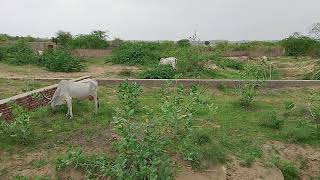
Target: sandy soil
x,y
30,71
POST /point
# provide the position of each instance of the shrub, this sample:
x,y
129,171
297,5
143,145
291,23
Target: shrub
x,y
60,60
134,53
272,121
247,94
20,53
18,131
288,169
2,53
160,72
184,43
128,96
89,41
298,45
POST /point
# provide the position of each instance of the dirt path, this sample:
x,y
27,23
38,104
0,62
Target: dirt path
x,y
30,71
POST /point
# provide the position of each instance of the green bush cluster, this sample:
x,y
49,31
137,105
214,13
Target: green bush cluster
x,y
94,40
184,43
160,72
60,60
19,53
301,46
247,94
88,41
137,53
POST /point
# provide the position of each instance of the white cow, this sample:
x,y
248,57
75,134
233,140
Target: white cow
x,y
169,61
264,58
67,90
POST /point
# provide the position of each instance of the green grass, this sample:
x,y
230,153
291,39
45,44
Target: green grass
x,y
231,130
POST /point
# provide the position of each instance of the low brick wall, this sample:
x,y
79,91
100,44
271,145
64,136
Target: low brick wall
x,y
29,100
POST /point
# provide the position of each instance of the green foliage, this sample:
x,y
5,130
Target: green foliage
x,y
95,40
94,166
2,53
247,94
259,72
62,38
288,169
134,53
272,121
160,72
128,95
20,53
299,45
19,131
303,132
61,60
184,43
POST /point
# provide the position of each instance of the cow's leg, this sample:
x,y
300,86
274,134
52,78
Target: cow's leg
x,y
69,103
96,102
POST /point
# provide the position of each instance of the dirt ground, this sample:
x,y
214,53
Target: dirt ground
x,y
31,71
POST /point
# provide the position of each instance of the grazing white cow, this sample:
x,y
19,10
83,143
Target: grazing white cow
x,y
264,58
67,90
169,61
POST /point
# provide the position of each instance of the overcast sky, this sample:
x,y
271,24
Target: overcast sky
x,y
161,19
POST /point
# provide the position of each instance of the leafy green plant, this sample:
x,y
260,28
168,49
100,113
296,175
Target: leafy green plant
x,y
128,95
184,43
298,45
61,60
160,72
19,131
247,94
134,53
288,169
95,40
272,121
20,53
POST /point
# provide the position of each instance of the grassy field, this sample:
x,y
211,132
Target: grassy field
x,y
284,67
196,127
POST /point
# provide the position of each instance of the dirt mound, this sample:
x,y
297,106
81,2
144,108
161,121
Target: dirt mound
x,y
215,173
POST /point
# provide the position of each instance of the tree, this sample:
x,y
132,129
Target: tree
x,y
62,38
207,43
100,34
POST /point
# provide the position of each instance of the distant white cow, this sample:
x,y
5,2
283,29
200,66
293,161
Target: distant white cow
x,y
264,58
169,61
67,90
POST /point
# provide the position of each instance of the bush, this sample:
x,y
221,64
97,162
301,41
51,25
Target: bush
x,y
20,53
60,60
2,53
128,96
160,72
247,94
89,41
259,72
272,121
134,53
184,43
298,45
18,131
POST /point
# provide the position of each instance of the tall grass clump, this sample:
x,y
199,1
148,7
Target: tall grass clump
x,y
61,60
